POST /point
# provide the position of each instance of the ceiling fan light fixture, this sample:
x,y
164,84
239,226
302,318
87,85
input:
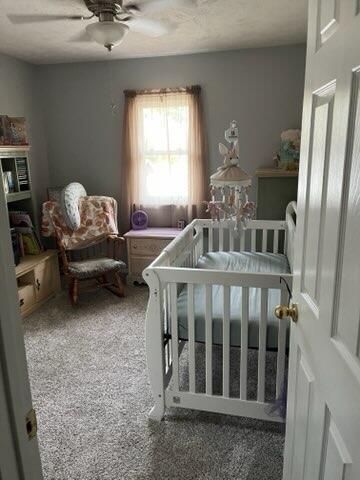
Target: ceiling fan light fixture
x,y
109,34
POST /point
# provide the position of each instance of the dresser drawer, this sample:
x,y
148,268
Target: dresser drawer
x,y
138,265
148,246
44,279
26,297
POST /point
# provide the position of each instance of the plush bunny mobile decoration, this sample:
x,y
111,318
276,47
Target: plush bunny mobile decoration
x,y
231,184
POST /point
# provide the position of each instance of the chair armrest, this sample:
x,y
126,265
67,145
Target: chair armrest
x,y
114,243
116,238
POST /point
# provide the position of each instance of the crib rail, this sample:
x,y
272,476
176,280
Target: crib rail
x,y
164,305
173,272
165,356
202,236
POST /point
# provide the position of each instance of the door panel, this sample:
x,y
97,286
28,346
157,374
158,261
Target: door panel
x,y
304,393
328,19
336,459
316,191
346,319
323,417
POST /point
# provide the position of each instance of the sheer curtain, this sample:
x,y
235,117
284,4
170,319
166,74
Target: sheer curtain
x,y
163,155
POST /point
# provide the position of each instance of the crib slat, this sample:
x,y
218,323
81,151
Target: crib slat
x,y
253,240
231,239
242,240
174,336
280,363
276,241
191,329
264,241
244,342
208,338
202,246
166,323
211,239
226,342
262,345
221,238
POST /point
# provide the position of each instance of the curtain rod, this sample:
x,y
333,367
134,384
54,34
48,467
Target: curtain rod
x,y
159,91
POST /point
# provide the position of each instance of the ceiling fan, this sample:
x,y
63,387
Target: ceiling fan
x,y
115,18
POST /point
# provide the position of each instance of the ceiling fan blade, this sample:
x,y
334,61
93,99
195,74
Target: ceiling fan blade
x,y
23,19
151,6
81,37
151,28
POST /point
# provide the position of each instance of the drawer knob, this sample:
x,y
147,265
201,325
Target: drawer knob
x,y
38,284
21,302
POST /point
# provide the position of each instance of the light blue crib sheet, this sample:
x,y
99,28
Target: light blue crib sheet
x,y
239,262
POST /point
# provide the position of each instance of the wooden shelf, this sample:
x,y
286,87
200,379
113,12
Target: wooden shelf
x,y
28,262
14,197
38,280
14,148
275,172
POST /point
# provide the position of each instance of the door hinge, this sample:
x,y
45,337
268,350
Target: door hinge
x,y
31,424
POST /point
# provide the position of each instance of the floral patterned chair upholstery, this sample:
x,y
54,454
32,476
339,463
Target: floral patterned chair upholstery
x,y
78,221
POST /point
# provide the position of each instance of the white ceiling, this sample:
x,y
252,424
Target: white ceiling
x,y
209,26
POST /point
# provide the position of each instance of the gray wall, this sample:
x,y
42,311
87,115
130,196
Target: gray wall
x,y
19,97
261,88
75,135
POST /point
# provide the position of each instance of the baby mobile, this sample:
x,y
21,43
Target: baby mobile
x,y
230,185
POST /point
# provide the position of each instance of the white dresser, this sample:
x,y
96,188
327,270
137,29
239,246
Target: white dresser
x,y
143,246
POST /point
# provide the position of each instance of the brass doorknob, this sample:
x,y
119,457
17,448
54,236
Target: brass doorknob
x,y
282,311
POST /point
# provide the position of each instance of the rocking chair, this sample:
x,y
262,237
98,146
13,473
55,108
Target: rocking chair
x,y
81,224
98,268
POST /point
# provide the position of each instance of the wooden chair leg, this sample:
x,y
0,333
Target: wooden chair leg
x,y
120,285
71,286
74,291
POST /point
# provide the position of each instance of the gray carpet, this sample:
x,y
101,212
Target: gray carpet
x,y
90,389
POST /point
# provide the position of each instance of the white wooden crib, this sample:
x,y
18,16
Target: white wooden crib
x,y
174,277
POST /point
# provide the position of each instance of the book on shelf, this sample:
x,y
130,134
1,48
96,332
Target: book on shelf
x,y
29,241
22,173
20,218
5,183
9,183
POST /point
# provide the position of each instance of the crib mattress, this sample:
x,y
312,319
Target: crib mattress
x,y
247,262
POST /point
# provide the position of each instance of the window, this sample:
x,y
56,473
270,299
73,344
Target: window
x,y
163,157
163,149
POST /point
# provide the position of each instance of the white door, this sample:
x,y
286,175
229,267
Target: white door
x,y
323,422
19,453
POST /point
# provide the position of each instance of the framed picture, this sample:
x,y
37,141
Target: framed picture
x,y
17,129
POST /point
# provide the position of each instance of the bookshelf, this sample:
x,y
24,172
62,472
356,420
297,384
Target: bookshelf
x,y
37,276
16,178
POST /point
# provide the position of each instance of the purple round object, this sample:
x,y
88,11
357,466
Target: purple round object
x,y
139,220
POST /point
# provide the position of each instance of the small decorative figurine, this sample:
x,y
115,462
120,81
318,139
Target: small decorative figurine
x,y
231,184
214,208
289,153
